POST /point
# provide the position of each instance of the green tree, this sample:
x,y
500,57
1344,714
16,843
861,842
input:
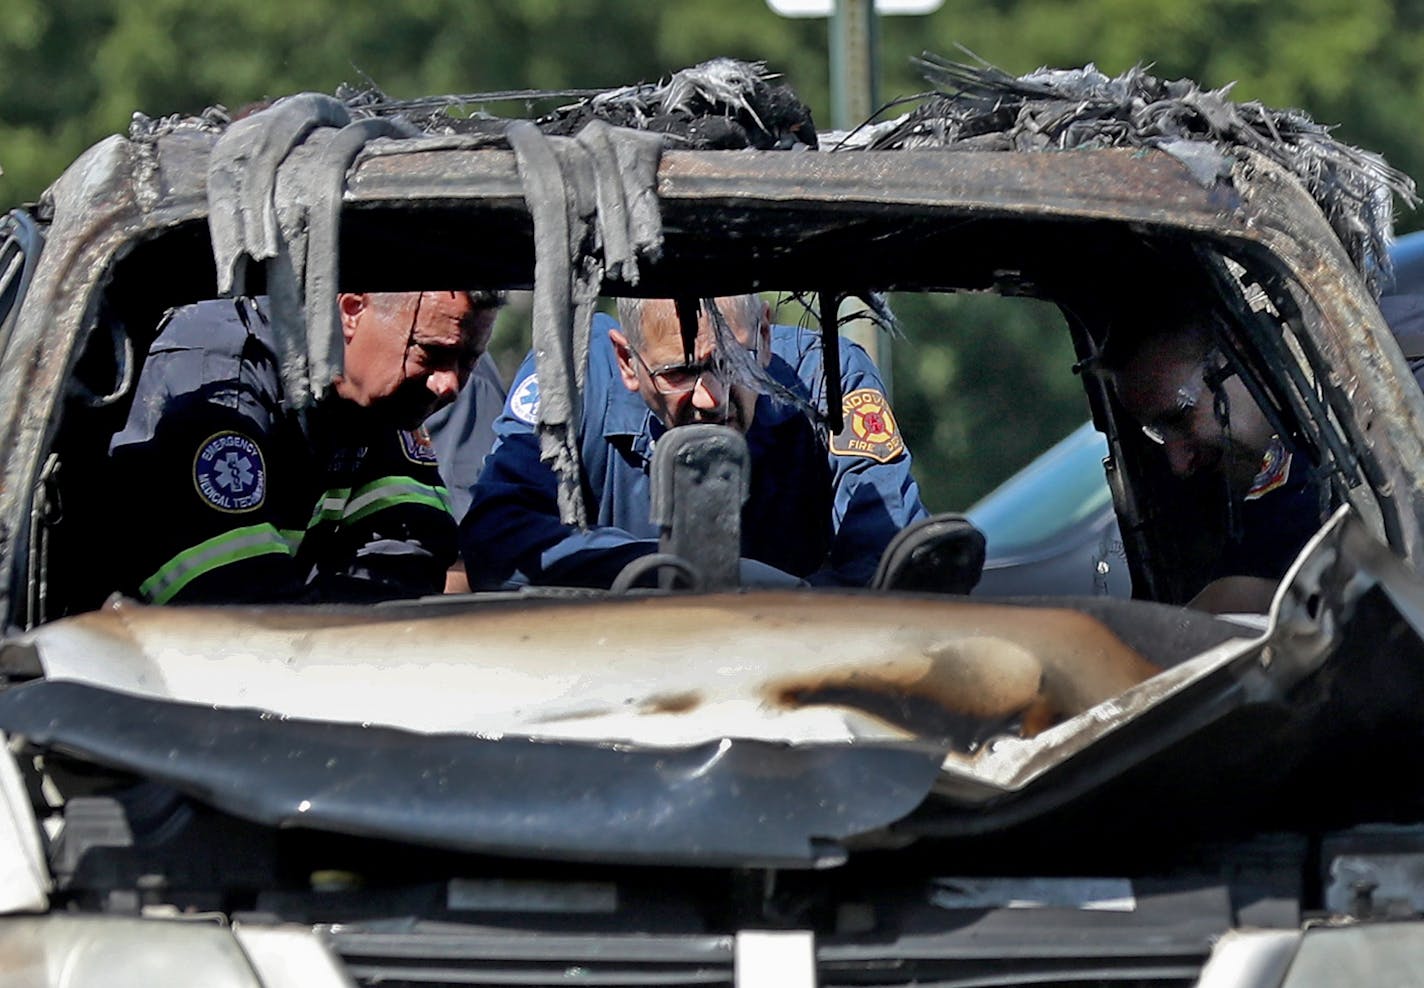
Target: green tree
x,y
75,71
1357,65
982,385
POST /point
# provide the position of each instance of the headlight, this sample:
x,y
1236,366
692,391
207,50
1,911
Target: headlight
x,y
1364,954
124,952
24,876
1384,953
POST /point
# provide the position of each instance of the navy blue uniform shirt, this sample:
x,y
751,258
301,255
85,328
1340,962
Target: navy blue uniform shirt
x,y
228,499
1277,517
820,511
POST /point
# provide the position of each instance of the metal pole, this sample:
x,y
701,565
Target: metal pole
x,y
854,64
855,73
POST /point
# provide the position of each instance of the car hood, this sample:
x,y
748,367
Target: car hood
x,y
740,728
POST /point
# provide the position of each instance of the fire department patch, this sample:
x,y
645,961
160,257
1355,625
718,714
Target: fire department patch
x,y
870,428
229,473
417,447
1274,472
524,403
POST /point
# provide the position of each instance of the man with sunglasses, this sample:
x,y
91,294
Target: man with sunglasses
x,y
819,514
229,496
1171,377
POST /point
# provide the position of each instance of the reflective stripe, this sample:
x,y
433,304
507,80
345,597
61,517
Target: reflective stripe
x,y
330,506
391,491
220,550
293,537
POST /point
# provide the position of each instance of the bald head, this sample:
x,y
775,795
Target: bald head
x,y
743,314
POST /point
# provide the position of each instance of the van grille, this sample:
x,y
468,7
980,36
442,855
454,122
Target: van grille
x,y
500,959
504,959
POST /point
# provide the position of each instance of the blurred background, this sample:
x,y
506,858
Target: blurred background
x,y
74,71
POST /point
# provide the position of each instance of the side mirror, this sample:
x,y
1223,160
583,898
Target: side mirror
x,y
939,554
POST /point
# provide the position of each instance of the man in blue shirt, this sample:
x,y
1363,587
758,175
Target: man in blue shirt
x,y
820,509
1174,381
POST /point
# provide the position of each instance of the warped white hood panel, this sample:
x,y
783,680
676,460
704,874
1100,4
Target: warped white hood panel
x,y
797,667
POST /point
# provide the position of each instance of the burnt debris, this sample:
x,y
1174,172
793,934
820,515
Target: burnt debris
x,y
980,107
721,104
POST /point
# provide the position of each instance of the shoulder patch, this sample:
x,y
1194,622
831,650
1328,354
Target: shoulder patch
x,y
1274,472
229,473
524,402
870,428
417,447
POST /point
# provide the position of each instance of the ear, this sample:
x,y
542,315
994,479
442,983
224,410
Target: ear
x,y
624,354
350,305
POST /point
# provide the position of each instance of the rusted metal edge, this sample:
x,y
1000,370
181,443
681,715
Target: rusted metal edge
x,y
1123,185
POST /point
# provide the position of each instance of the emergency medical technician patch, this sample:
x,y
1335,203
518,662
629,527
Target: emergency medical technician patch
x,y
229,473
870,428
416,445
524,403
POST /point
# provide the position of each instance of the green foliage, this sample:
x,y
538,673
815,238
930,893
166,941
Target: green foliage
x,y
1357,65
75,70
972,422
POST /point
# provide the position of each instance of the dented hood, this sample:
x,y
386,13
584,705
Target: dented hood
x,y
736,728
656,671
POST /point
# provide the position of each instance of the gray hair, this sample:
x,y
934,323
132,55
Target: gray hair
x,y
744,310
481,299
488,298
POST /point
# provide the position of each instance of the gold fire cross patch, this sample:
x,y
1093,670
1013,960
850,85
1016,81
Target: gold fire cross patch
x,y
870,428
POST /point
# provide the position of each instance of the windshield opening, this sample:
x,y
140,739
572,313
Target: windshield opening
x,y
978,390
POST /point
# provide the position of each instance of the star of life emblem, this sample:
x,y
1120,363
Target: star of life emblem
x,y
229,473
524,402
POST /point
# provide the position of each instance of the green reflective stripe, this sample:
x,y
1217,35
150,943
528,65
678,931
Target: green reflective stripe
x,y
330,506
293,537
216,552
391,491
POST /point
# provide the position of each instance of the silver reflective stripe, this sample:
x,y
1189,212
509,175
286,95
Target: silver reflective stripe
x,y
391,491
329,508
220,550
